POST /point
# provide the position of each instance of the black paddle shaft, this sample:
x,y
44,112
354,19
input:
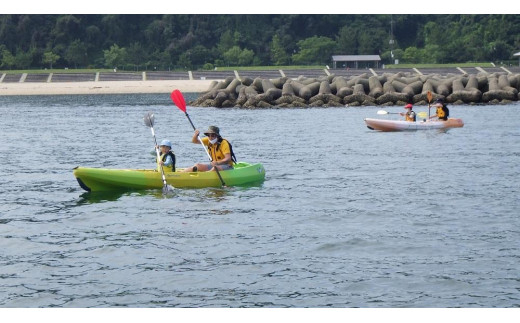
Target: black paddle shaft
x,y
189,119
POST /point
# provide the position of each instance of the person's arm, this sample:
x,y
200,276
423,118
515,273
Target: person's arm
x,y
226,160
195,138
168,161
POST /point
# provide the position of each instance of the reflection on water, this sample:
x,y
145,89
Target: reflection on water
x,y
211,193
99,197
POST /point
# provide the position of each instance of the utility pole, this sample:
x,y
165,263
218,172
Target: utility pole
x,y
391,42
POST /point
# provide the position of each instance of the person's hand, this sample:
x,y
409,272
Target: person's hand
x,y
197,132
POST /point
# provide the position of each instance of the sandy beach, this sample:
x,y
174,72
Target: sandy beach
x,y
104,87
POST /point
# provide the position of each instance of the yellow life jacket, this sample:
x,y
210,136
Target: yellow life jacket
x,y
410,116
170,168
441,114
218,151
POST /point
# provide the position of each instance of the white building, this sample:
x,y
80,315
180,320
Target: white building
x,y
355,61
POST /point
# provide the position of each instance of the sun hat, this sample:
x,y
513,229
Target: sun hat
x,y
408,106
166,143
212,129
439,100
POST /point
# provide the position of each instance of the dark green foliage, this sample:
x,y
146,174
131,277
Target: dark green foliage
x,y
164,42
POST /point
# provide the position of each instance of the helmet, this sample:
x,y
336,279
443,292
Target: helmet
x,y
166,143
408,106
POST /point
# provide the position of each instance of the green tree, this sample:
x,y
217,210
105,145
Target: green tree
x,y
245,58
160,59
278,54
232,55
432,54
314,50
50,58
347,40
433,33
8,61
185,60
227,41
76,53
200,55
371,41
136,55
66,29
164,38
115,56
412,55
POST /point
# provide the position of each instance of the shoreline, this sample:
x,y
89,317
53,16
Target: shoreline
x,y
103,87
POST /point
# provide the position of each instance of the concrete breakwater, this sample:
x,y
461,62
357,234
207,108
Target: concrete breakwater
x,y
365,89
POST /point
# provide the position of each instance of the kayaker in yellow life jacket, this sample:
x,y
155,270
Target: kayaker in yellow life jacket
x,y
442,112
167,158
410,114
219,149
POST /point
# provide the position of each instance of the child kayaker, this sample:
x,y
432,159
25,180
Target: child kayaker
x,y
167,158
409,115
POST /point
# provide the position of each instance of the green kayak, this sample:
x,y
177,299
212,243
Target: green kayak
x,y
104,179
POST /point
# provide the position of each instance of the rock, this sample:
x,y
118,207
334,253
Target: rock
x,y
287,89
344,91
274,93
376,89
387,89
279,82
247,81
392,97
324,88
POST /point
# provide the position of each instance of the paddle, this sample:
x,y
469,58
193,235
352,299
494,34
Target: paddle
x,y
386,112
148,120
429,96
422,114
178,99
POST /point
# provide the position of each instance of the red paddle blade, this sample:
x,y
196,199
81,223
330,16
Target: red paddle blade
x,y
178,99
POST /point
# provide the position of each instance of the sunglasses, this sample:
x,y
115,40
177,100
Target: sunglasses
x,y
212,135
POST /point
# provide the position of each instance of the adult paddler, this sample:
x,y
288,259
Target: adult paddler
x,y
442,111
220,150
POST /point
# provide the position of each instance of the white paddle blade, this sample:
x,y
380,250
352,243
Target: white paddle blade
x,y
148,119
382,112
168,189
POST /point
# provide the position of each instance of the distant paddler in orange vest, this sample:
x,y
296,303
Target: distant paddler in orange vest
x,y
442,111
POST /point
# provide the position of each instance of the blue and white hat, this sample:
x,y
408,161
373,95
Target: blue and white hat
x,y
166,143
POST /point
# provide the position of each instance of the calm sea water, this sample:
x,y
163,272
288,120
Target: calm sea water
x,y
346,217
